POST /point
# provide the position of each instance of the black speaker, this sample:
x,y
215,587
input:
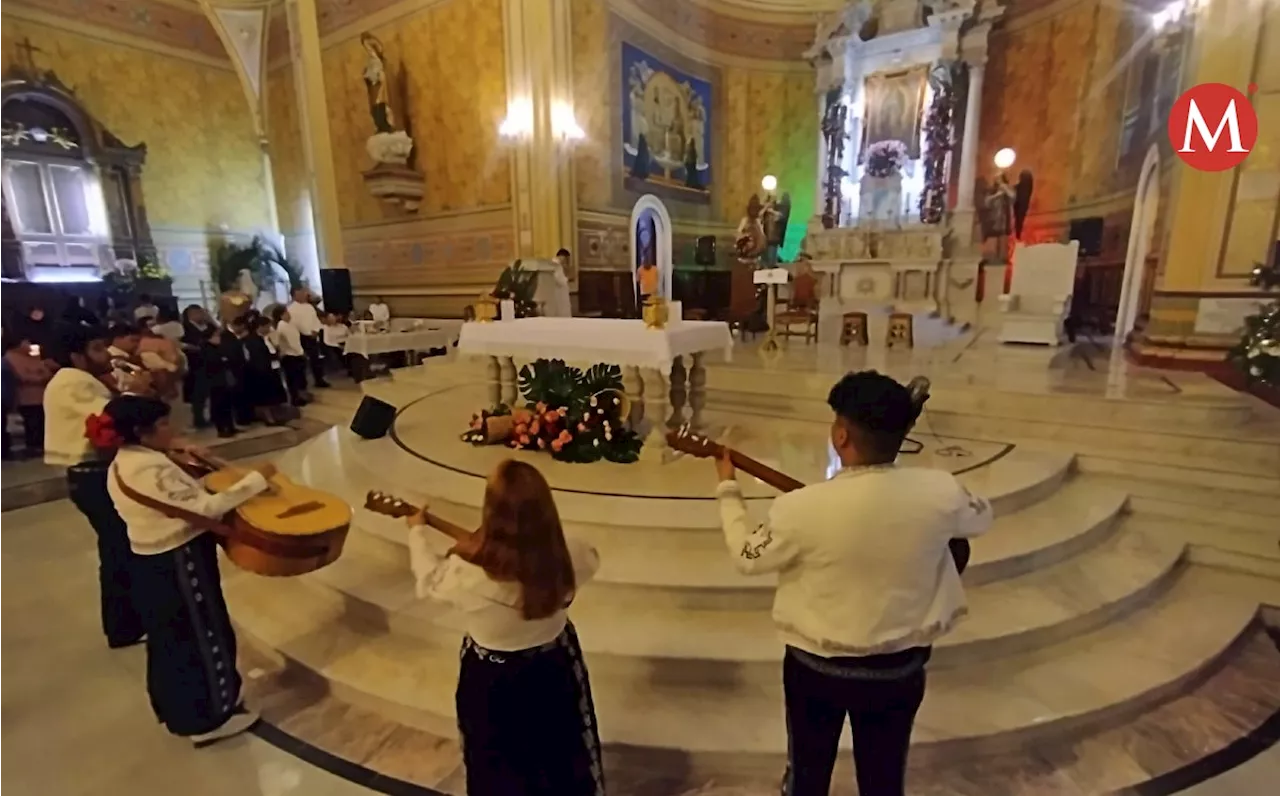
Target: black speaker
x,y
335,286
373,419
1089,232
705,253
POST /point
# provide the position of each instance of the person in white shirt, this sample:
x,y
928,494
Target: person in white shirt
x,y
77,391
191,647
303,316
379,312
556,303
293,358
524,700
866,584
334,336
146,309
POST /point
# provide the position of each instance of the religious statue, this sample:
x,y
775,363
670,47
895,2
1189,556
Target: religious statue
x,y
997,220
751,242
392,179
377,82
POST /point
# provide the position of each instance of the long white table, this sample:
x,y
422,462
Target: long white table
x,y
652,361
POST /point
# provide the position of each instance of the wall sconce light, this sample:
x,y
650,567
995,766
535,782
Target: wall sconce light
x,y
769,183
564,126
519,122
1005,158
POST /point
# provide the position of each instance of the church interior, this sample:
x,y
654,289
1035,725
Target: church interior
x,y
686,219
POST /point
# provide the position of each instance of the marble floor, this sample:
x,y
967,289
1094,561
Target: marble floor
x,y
1120,637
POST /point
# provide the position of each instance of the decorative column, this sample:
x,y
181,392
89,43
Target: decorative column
x,y
304,40
969,145
541,127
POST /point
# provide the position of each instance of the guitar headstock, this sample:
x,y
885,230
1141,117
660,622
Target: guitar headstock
x,y
685,440
390,505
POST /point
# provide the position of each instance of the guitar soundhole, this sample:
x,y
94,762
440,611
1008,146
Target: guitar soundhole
x,y
300,509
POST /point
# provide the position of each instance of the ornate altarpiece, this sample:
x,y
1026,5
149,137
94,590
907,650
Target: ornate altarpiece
x,y
43,121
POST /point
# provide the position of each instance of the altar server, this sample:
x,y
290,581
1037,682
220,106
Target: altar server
x,y
866,585
78,390
191,648
524,701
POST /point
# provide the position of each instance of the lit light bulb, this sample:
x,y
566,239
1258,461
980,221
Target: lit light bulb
x,y
519,121
1005,158
769,183
563,124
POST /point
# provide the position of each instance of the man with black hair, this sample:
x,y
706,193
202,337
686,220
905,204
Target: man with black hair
x,y
866,584
77,391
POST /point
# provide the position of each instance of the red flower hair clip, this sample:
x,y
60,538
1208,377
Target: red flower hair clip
x,y
100,430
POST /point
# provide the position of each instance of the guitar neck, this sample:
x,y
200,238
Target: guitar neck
x,y
455,532
779,481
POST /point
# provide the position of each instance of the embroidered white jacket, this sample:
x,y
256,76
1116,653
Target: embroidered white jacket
x,y
153,474
490,608
69,398
862,560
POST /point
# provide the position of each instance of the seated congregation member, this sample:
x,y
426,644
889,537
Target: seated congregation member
x,y
334,336
263,385
866,585
293,357
31,372
197,328
191,648
524,701
76,392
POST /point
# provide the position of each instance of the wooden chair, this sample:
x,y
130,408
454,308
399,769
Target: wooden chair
x,y
901,330
801,309
853,329
744,306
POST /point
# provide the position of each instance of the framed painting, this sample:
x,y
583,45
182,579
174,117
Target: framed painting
x,y
666,128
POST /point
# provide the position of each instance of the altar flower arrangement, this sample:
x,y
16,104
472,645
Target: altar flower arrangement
x,y
575,415
886,158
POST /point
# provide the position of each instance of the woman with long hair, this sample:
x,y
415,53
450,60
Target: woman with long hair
x,y
524,700
191,648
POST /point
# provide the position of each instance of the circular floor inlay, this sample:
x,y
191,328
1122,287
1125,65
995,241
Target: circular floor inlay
x,y
430,429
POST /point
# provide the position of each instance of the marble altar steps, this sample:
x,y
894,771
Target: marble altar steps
x,y
696,630
1100,677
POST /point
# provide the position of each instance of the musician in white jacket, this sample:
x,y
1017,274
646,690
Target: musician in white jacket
x,y
866,585
191,648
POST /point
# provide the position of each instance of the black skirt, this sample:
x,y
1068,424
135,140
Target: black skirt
x,y
527,720
191,648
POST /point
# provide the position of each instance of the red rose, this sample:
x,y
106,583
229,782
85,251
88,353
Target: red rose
x,y
100,430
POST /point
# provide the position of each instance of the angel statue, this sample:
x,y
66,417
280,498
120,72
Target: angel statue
x,y
377,83
750,242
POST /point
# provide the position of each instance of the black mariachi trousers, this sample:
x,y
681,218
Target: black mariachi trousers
x,y
880,694
87,488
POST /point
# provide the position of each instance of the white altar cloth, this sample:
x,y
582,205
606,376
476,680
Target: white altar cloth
x,y
367,345
587,341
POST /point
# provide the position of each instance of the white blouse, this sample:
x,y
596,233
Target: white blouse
x,y
862,560
491,609
154,475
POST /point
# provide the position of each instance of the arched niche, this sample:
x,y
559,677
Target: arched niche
x,y
89,210
650,216
1146,207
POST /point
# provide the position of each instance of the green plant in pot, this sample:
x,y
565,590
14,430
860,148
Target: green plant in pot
x,y
518,284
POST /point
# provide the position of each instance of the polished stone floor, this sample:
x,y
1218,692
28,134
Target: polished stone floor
x,y
76,721
1115,639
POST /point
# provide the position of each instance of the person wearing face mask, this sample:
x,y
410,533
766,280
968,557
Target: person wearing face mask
x,y
866,584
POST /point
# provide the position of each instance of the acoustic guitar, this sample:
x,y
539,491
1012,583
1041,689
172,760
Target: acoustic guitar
x,y
391,506
290,529
684,440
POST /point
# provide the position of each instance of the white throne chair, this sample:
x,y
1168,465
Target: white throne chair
x,y
1039,298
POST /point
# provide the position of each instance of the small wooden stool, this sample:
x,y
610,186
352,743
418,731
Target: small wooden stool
x,y
901,330
853,328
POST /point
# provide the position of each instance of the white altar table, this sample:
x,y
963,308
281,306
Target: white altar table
x,y
652,361
372,343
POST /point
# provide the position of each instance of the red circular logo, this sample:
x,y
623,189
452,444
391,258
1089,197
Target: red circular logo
x,y
1213,127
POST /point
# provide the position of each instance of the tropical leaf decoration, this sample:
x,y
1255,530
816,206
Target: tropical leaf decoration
x,y
575,415
265,262
518,284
